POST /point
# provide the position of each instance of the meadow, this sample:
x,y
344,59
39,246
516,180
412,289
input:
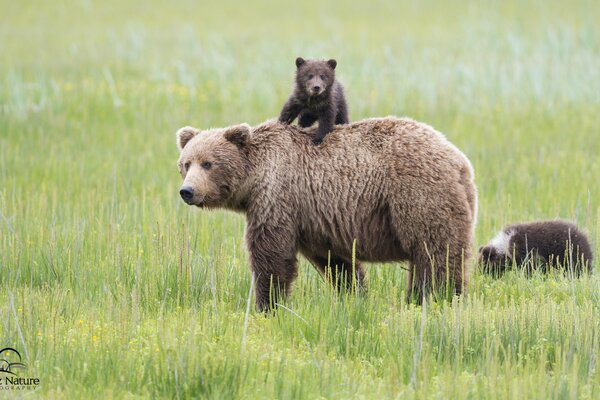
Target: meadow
x,y
111,287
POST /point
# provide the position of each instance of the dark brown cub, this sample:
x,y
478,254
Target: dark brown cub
x,y
555,243
317,96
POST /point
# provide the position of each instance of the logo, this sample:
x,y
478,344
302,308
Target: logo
x,y
5,365
11,363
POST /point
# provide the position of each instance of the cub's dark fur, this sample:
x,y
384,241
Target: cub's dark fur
x,y
317,96
557,243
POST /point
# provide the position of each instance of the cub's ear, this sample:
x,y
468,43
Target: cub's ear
x,y
332,63
299,62
480,249
184,135
238,134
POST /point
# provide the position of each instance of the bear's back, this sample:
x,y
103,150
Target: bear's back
x,y
348,183
361,153
372,134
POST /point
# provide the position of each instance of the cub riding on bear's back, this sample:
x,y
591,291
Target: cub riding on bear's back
x,y
317,96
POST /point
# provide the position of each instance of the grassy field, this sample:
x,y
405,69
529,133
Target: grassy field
x,y
111,287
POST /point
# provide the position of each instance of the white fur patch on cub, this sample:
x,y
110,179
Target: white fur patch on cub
x,y
501,242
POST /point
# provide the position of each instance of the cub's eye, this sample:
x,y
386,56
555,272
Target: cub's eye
x,y
206,165
322,77
311,76
187,165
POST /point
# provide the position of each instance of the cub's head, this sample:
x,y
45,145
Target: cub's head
x,y
493,261
314,77
213,164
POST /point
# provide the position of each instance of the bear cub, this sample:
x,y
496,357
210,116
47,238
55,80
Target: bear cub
x,y
551,242
317,96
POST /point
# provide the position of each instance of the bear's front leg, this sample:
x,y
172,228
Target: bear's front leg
x,y
273,262
290,111
325,126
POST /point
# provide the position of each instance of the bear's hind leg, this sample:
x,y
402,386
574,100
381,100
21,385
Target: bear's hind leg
x,y
438,248
441,272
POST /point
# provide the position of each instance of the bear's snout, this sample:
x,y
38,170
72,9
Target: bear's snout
x,y
316,89
186,193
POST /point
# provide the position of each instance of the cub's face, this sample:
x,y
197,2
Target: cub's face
x,y
313,76
492,261
212,164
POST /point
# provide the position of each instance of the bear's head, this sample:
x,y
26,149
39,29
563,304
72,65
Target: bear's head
x,y
213,164
315,77
493,261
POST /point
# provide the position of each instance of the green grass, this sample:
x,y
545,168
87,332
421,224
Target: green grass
x,y
112,288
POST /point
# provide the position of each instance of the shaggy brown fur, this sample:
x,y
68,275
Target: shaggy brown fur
x,y
396,186
554,243
317,96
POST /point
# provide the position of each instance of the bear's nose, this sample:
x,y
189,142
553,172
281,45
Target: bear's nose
x,y
186,192
316,88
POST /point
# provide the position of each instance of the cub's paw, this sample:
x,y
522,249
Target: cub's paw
x,y
317,141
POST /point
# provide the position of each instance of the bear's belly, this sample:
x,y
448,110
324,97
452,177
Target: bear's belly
x,y
373,237
367,249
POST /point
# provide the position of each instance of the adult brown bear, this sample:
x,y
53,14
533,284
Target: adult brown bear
x,y
395,186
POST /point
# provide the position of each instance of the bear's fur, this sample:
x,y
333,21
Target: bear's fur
x,y
395,186
553,243
317,96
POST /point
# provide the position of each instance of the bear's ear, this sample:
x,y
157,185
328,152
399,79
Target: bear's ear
x,y
299,62
238,134
332,63
184,135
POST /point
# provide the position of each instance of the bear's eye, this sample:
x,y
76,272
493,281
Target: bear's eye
x,y
323,77
187,165
207,165
311,76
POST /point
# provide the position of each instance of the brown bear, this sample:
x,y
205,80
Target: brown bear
x,y
317,96
393,186
553,243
